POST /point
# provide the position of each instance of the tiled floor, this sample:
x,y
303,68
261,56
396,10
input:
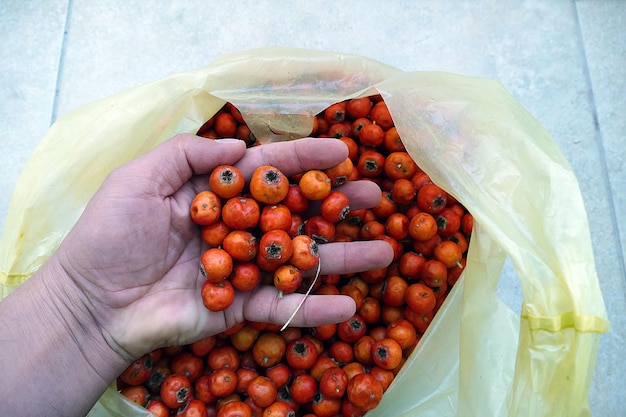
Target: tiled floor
x,y
564,60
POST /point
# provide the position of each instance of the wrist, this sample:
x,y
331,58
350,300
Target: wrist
x,y
72,309
52,349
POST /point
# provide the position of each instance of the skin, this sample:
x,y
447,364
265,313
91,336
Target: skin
x,y
126,278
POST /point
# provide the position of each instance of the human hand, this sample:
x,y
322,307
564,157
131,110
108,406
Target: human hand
x,y
134,252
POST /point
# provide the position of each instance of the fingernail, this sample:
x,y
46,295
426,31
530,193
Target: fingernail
x,y
228,140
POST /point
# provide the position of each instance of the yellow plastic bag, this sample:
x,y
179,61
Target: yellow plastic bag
x,y
478,357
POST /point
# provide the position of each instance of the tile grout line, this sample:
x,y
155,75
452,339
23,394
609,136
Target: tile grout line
x,y
57,87
600,144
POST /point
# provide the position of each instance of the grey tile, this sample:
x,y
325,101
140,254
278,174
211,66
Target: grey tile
x,y
127,44
603,30
32,35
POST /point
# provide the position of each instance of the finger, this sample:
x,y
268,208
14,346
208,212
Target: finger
x,y
348,257
176,160
266,306
293,157
362,194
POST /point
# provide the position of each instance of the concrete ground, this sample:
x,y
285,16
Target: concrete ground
x,y
564,60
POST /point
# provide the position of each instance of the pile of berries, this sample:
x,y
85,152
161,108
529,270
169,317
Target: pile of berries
x,y
256,228
259,232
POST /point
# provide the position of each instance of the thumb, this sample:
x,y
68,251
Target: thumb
x,y
175,161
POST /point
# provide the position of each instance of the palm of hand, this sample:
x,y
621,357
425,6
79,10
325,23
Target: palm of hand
x,y
134,253
138,257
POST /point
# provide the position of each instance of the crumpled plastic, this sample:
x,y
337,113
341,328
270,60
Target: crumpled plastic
x,y
468,134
